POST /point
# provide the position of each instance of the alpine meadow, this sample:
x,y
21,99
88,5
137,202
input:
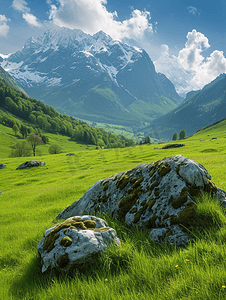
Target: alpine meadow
x,y
139,268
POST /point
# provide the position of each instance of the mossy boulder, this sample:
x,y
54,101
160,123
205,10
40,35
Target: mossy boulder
x,y
75,241
159,196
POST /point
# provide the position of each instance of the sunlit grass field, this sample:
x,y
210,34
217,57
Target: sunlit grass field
x,y
138,269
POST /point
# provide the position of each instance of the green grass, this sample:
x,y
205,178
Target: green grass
x,y
139,268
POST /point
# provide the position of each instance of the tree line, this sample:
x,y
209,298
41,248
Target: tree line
x,y
45,117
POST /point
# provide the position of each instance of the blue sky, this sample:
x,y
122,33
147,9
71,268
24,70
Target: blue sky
x,y
171,21
190,33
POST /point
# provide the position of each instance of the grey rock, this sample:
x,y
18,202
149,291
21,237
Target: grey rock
x,y
31,163
78,240
159,196
2,166
70,154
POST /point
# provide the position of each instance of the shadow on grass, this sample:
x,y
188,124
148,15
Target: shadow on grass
x,y
114,261
32,281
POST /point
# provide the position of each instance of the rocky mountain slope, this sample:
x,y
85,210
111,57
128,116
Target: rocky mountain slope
x,y
198,110
9,79
92,77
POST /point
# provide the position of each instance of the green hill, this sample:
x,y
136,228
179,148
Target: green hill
x,y
40,116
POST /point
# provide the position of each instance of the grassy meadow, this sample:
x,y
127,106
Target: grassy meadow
x,y
138,269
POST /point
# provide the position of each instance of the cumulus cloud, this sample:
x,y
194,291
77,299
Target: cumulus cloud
x,y
22,6
192,10
191,70
213,66
4,27
190,56
92,16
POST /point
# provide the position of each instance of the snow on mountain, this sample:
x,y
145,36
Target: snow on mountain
x,y
4,56
37,62
91,75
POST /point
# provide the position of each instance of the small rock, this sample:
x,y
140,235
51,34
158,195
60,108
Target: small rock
x,y
78,240
31,163
2,166
70,154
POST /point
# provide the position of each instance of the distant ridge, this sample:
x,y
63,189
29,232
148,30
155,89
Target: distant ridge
x,y
199,110
211,125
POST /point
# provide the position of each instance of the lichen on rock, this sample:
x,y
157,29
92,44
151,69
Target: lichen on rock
x,y
159,195
75,241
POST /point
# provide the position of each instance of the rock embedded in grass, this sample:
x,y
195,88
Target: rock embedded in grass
x,y
77,240
171,146
30,164
2,166
159,196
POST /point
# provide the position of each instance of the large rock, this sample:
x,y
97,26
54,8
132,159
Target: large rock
x,y
76,241
31,163
159,196
2,166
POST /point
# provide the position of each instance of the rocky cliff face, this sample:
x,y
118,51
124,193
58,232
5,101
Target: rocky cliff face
x,y
93,76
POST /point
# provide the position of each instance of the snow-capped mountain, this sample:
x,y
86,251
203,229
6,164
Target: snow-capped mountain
x,y
91,77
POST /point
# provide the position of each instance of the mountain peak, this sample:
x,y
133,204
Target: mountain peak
x,y
100,35
96,75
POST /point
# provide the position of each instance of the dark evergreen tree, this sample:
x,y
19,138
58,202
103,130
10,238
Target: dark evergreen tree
x,y
175,136
182,134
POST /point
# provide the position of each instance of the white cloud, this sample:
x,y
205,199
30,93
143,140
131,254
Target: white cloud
x,y
92,16
4,27
164,50
213,66
31,20
190,56
21,5
192,10
190,70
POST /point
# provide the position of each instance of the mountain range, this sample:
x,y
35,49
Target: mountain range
x,y
93,78
199,109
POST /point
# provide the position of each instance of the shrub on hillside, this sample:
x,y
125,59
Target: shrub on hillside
x,y
54,149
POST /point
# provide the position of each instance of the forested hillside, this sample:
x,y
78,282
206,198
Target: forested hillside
x,y
48,119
